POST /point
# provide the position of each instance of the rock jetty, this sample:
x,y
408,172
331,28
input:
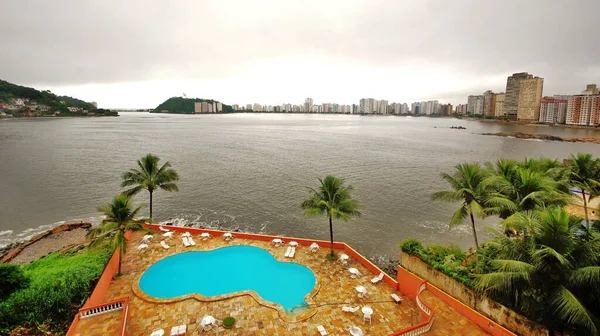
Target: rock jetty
x,y
548,137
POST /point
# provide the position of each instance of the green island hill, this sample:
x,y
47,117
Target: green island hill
x,y
182,105
22,101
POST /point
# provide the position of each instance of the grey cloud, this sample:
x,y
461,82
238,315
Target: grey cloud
x,y
77,42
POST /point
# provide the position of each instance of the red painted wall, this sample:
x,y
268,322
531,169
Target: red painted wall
x,y
408,283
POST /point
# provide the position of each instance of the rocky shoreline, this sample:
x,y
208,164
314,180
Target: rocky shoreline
x,y
40,245
547,137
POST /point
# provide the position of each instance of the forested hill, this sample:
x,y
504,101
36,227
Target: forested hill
x,y
186,105
12,94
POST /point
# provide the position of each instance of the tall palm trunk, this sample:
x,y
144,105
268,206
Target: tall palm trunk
x,y
585,209
331,233
150,206
474,232
120,255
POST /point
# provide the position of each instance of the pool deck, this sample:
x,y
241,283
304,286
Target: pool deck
x,y
254,316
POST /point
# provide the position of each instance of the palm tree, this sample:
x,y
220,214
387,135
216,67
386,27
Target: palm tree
x,y
119,218
524,189
468,187
332,199
150,177
583,174
553,274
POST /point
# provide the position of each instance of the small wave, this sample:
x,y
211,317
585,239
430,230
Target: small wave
x,y
6,232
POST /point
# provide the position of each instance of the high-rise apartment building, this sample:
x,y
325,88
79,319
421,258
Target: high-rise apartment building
x,y
488,103
428,107
447,110
499,104
308,104
461,109
584,109
590,89
382,107
511,100
553,110
367,105
475,105
523,96
415,108
530,96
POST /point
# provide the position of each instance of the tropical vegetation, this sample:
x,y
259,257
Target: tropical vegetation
x,y
150,177
186,105
50,292
468,187
552,274
9,92
334,200
545,263
119,218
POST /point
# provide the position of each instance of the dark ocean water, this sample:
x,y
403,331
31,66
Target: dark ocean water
x,y
250,171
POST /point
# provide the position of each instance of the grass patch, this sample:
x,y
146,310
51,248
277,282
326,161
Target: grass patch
x,y
58,286
89,263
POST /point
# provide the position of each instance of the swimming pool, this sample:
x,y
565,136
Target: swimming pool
x,y
228,270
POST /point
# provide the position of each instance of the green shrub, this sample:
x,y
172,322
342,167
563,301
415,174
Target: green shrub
x,y
60,284
411,246
228,321
12,279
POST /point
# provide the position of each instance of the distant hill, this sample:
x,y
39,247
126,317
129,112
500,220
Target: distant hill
x,y
22,100
185,105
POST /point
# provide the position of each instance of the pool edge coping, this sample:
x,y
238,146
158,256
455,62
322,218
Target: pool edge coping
x,y
296,317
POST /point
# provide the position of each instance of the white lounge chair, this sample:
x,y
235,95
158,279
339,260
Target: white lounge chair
x,y
163,229
168,234
179,330
314,247
185,241
142,247
377,278
164,245
396,298
292,252
322,330
350,309
288,252
147,237
191,241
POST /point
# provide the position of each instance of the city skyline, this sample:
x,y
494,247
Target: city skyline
x,y
271,51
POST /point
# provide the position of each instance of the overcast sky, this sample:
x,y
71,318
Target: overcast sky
x,y
137,53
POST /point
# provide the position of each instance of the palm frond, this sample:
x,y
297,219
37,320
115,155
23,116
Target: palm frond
x,y
459,215
568,308
585,276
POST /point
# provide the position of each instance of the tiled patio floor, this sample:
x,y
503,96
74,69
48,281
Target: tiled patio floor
x,y
100,325
335,289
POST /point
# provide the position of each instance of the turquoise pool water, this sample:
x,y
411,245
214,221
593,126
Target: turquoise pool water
x,y
228,270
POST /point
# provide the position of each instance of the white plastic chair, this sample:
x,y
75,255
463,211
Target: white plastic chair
x,y
377,278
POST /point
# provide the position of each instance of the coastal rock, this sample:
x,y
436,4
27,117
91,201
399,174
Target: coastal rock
x,y
520,135
17,248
